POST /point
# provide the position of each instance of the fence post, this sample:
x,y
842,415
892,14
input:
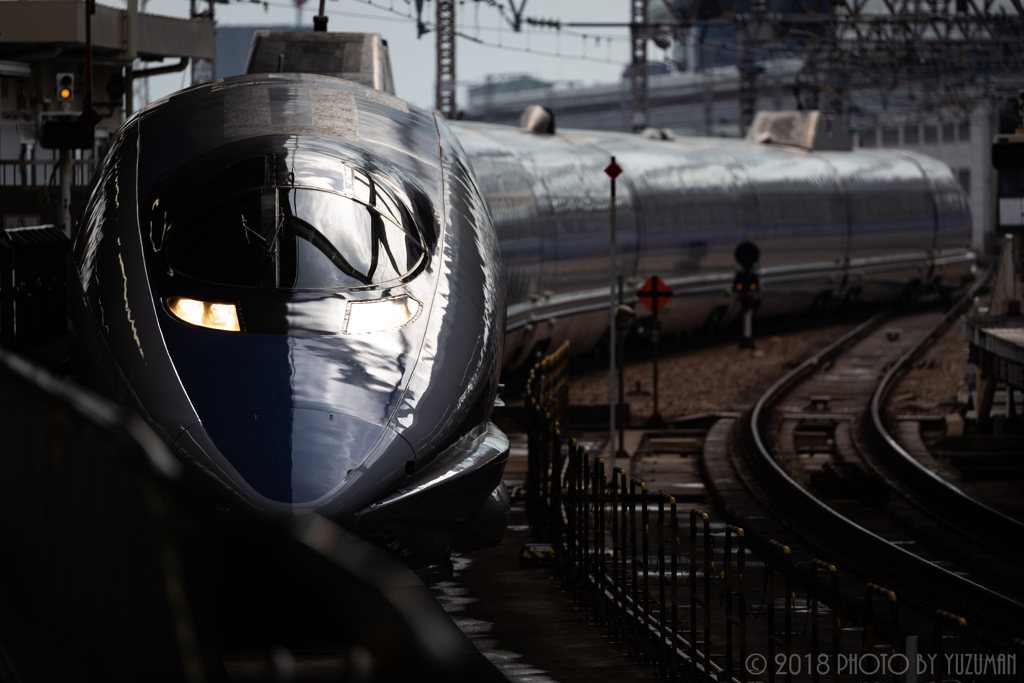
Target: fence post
x,y
869,629
586,552
633,562
815,630
961,625
693,594
624,541
570,509
613,623
869,621
662,652
707,598
644,630
729,618
675,599
534,453
599,484
837,631
557,532
741,565
789,614
770,599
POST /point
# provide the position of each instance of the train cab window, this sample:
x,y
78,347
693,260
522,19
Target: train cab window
x,y
293,237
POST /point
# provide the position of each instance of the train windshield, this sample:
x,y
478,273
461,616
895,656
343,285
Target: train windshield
x,y
293,237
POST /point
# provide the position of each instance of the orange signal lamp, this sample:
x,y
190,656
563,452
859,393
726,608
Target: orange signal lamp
x,y
65,93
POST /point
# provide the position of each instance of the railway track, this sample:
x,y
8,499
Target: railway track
x,y
867,505
825,505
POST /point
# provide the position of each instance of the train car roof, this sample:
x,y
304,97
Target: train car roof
x,y
645,155
189,123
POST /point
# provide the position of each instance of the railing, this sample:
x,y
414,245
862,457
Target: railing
x,y
600,531
37,173
119,567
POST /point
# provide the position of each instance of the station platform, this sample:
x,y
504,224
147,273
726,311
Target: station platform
x,y
997,345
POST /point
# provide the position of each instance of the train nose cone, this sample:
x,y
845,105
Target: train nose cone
x,y
296,456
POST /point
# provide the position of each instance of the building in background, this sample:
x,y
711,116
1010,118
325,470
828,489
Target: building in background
x,y
43,81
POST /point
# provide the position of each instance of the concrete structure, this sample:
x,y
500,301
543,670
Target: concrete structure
x,y
43,42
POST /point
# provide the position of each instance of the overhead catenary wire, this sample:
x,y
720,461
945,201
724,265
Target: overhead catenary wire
x,y
463,32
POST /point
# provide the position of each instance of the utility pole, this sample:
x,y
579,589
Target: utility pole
x,y
638,69
753,30
445,94
748,87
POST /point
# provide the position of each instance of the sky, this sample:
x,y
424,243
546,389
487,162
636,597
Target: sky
x,y
585,55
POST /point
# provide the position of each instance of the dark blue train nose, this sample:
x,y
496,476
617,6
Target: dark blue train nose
x,y
295,456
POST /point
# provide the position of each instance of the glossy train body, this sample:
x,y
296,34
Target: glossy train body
x,y
298,281
294,280
830,226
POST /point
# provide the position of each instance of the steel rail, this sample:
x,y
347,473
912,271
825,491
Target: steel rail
x,y
1002,533
874,556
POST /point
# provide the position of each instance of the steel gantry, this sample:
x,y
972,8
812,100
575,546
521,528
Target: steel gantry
x,y
445,93
638,68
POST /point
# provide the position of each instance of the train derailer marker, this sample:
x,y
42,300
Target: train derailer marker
x,y
536,555
655,295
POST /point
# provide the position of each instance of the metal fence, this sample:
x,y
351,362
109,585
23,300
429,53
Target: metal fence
x,y
624,554
38,173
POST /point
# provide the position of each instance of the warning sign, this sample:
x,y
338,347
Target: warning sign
x,y
654,294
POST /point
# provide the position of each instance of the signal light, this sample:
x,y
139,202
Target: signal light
x,y
65,86
745,281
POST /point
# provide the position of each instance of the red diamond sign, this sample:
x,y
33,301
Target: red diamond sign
x,y
613,170
654,294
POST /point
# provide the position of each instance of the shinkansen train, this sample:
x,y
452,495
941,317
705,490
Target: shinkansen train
x,y
830,225
300,281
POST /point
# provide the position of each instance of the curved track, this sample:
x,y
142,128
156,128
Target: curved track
x,y
840,531
999,533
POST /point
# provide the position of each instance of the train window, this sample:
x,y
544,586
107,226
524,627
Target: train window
x,y
294,238
931,135
910,135
338,242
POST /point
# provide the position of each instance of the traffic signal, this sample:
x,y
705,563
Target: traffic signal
x,y
65,86
745,282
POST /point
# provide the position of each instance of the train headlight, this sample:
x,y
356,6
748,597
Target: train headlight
x,y
204,313
377,316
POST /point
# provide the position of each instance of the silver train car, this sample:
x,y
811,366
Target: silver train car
x,y
830,225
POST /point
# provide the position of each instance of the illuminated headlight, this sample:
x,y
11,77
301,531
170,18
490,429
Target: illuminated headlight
x,y
380,315
204,314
